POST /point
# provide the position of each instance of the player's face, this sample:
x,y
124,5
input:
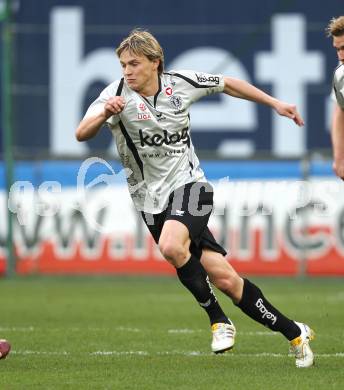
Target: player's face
x,y
338,44
139,72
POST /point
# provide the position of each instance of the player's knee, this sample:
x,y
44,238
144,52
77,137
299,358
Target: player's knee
x,y
173,252
225,285
230,284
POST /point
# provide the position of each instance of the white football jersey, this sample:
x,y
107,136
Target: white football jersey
x,y
338,85
153,134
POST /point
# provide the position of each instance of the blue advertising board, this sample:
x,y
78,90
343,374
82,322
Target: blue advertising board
x,y
64,55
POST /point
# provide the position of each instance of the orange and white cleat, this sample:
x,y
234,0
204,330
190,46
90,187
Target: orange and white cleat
x,y
300,346
223,337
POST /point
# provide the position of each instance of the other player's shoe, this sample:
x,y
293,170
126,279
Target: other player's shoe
x,y
300,346
223,337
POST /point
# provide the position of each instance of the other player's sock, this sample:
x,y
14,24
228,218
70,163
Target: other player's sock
x,y
255,305
194,277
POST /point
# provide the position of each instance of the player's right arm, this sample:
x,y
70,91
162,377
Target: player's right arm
x,y
337,134
97,116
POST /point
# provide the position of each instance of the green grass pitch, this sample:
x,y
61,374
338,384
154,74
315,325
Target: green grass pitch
x,y
148,333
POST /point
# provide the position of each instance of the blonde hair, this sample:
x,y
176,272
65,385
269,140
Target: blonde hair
x,y
336,27
141,42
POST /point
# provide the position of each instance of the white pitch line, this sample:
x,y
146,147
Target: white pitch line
x,y
35,329
124,329
121,329
120,353
45,353
170,353
184,331
259,333
17,329
187,331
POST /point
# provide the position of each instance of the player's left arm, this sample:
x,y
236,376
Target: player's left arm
x,y
337,135
244,90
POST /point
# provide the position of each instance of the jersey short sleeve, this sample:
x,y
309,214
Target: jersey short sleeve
x,y
97,106
200,84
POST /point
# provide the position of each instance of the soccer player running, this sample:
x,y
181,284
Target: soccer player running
x,y
335,29
148,113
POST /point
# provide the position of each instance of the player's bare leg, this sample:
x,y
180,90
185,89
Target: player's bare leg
x,y
250,299
174,244
223,275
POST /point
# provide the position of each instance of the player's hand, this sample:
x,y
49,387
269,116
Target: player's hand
x,y
114,105
338,168
290,111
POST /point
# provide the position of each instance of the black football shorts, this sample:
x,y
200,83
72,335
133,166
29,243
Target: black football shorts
x,y
191,205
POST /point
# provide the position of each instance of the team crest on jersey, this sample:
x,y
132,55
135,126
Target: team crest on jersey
x,y
143,114
176,102
168,91
142,107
